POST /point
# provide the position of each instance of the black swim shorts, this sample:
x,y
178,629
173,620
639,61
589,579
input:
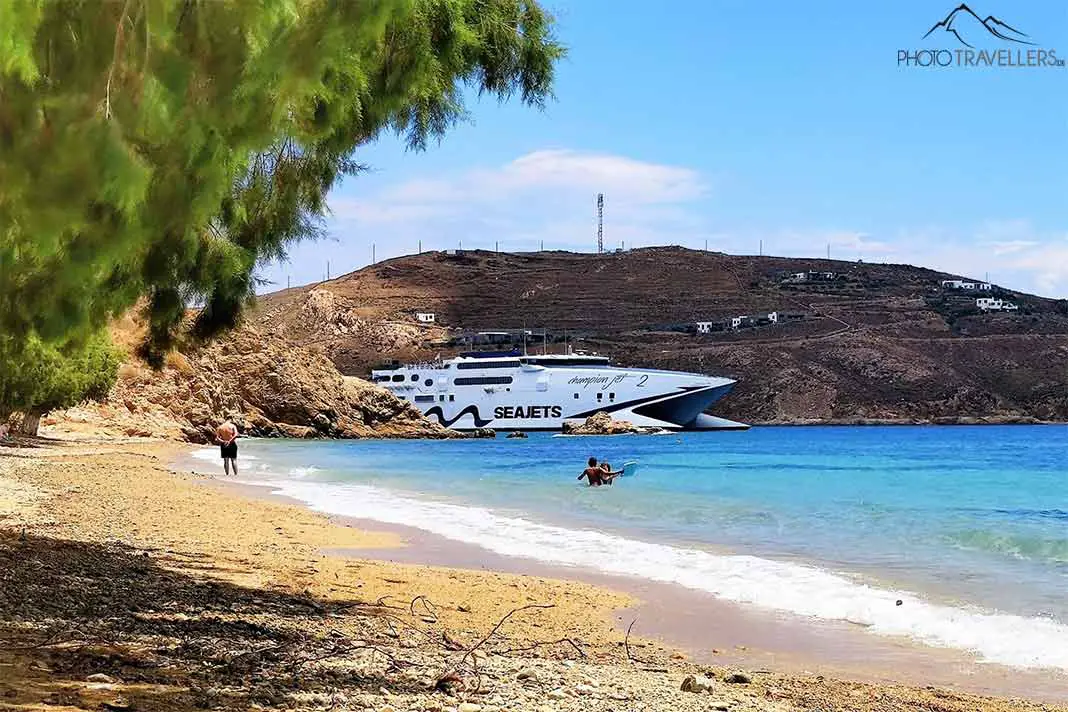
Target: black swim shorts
x,y
229,451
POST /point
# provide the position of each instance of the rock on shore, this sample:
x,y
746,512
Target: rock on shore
x,y
267,385
603,424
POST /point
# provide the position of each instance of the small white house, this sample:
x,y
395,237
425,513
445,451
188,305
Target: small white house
x,y
704,327
425,317
967,286
773,317
988,304
736,322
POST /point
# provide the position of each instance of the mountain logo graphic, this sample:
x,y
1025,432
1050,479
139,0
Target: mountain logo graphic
x,y
965,25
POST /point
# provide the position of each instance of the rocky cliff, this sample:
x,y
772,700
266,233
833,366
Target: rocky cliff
x,y
266,384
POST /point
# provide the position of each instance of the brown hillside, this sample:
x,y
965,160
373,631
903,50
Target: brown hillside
x,y
267,385
875,342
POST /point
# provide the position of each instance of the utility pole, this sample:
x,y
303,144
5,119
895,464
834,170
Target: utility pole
x,y
328,270
542,248
287,281
600,223
420,247
828,250
761,248
373,260
496,247
706,245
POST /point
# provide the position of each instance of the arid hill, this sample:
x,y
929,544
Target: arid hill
x,y
856,341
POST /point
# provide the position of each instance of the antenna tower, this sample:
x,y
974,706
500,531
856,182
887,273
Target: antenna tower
x,y
600,223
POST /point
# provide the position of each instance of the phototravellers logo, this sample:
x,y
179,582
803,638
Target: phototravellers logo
x,y
966,41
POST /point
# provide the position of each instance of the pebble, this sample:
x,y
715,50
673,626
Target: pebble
x,y
469,707
720,705
697,683
584,689
387,708
556,694
738,678
101,677
527,674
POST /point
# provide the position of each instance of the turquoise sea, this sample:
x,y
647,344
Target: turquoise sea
x,y
966,526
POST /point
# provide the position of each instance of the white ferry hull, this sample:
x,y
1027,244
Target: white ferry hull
x,y
536,397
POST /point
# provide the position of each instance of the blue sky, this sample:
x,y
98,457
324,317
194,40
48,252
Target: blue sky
x,y
733,122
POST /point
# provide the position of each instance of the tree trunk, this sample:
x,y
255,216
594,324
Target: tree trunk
x,y
30,423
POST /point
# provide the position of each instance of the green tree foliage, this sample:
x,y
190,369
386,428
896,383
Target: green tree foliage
x,y
38,377
162,149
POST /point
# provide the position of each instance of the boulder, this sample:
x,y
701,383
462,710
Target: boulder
x,y
600,424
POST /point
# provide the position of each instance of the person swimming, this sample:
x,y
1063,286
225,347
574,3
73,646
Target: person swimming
x,y
597,475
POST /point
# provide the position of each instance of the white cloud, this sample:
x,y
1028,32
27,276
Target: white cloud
x,y
545,197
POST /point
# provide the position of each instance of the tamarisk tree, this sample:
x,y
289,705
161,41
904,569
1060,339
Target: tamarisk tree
x,y
161,150
39,377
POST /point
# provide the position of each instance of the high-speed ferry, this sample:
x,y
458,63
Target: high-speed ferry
x,y
514,391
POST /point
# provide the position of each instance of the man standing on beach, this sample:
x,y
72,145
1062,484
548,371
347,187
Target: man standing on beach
x,y
226,434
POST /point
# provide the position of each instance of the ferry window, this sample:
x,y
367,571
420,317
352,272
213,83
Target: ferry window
x,y
600,396
398,378
487,364
483,381
415,376
424,399
611,396
441,398
576,395
428,382
452,398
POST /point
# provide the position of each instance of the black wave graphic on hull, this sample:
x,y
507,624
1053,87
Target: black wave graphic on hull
x,y
672,408
471,410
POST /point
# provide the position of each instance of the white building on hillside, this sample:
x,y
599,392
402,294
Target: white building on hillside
x,y
773,317
967,286
988,304
705,327
425,317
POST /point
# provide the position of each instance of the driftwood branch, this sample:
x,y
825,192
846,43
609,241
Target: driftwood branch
x,y
501,622
626,645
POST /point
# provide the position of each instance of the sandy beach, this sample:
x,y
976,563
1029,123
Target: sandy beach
x,y
125,585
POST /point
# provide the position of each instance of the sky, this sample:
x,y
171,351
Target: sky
x,y
745,126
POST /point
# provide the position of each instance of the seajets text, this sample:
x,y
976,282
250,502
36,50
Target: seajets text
x,y
526,411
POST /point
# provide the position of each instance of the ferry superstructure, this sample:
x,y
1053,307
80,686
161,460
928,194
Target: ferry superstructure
x,y
516,391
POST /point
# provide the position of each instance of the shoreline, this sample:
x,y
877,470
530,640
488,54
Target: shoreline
x,y
716,632
203,596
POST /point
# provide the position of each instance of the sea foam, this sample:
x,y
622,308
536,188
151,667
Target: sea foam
x,y
213,455
800,589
